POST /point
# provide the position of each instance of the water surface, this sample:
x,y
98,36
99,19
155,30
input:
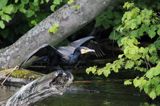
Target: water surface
x,y
111,93
91,93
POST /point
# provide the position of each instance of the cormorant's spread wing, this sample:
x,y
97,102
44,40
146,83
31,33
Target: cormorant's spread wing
x,y
39,53
81,41
68,50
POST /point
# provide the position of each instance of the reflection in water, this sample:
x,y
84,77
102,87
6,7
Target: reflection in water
x,y
110,94
147,104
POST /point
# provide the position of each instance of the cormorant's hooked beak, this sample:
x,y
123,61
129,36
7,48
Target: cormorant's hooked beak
x,y
85,50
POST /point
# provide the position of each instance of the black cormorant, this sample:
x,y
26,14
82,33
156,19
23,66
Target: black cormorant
x,y
52,56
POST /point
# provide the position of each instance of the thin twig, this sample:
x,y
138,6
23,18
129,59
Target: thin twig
x,y
11,71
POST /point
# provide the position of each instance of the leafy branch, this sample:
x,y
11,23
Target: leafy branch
x,y
136,22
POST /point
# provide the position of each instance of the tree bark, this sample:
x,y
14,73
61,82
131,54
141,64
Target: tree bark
x,y
69,18
54,83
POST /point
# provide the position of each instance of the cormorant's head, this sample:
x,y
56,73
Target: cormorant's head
x,y
84,50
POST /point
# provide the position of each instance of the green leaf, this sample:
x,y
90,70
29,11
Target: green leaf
x,y
132,52
136,82
100,71
158,31
25,1
3,3
114,35
91,69
47,1
129,64
29,13
150,73
128,82
106,73
152,94
117,65
54,28
158,90
16,1
146,89
153,72
128,5
143,82
152,49
134,33
152,32
22,9
120,56
57,2
8,9
157,43
70,1
6,18
52,7
2,26
143,29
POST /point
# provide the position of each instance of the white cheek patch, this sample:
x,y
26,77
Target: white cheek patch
x,y
83,51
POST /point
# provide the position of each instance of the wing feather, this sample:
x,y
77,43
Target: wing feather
x,y
81,41
68,50
39,52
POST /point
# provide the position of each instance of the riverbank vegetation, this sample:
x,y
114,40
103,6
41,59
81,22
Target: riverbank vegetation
x,y
136,29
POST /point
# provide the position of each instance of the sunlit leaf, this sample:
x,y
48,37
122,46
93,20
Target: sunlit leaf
x,y
3,3
158,89
8,9
129,64
54,28
136,82
128,82
6,18
2,26
106,73
152,94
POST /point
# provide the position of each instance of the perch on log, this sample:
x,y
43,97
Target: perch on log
x,y
54,83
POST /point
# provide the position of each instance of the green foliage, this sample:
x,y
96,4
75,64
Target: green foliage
x,y
108,19
139,20
127,82
106,71
28,7
18,16
70,1
54,28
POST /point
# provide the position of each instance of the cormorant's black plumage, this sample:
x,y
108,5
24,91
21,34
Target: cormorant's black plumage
x,y
52,56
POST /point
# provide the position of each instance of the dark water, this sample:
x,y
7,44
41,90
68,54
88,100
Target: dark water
x,y
91,93
110,94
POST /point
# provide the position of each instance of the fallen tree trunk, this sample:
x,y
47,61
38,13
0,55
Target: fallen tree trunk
x,y
54,83
69,18
18,77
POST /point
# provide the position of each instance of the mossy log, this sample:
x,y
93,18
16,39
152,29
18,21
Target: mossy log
x,y
18,77
69,19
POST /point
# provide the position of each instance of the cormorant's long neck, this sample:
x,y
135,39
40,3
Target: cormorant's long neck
x,y
74,57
